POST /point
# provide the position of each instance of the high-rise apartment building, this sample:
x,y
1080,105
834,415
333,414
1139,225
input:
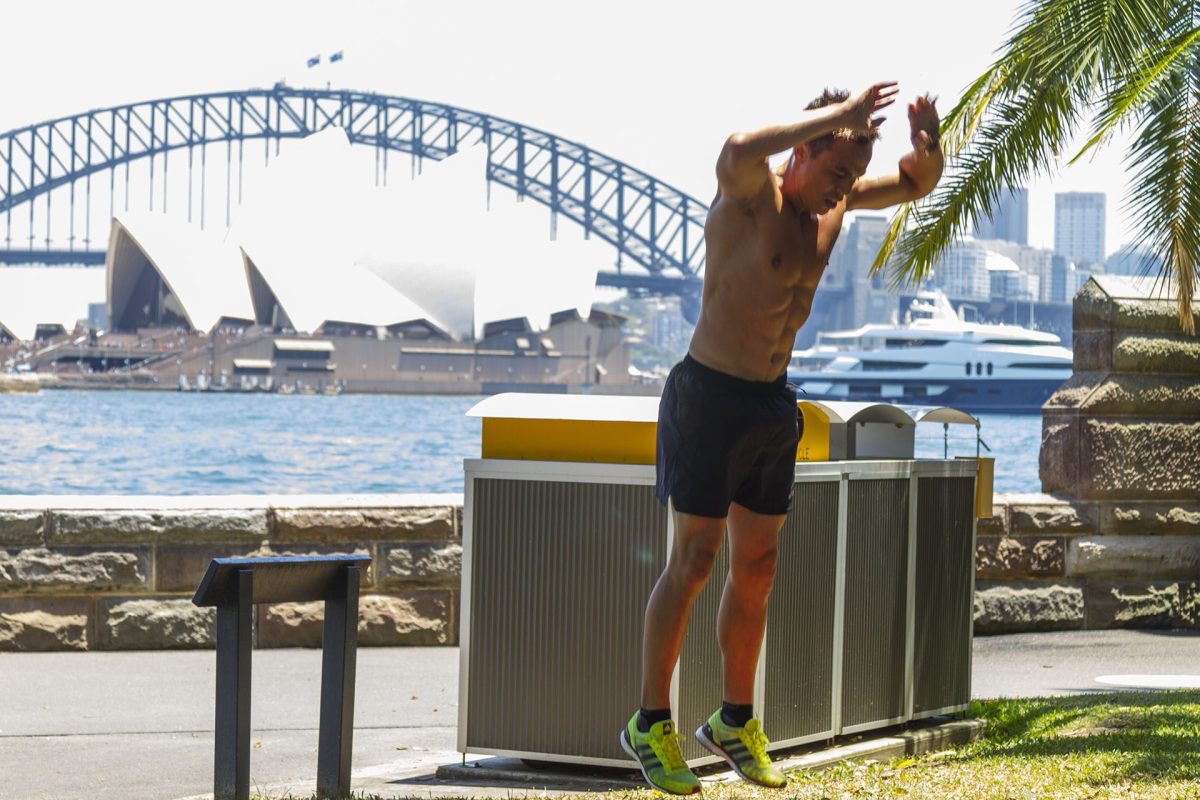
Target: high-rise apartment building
x,y
1079,227
1061,280
1010,221
847,296
873,302
962,271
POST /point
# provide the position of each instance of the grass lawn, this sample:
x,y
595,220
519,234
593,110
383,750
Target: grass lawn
x,y
1112,745
1121,745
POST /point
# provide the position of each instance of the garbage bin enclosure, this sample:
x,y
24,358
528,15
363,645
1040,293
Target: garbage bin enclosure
x,y
869,623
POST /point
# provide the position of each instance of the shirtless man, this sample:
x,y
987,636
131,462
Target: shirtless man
x,y
728,425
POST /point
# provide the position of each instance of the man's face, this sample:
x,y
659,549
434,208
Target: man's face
x,y
825,179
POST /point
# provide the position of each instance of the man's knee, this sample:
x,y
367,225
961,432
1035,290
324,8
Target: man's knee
x,y
693,560
756,570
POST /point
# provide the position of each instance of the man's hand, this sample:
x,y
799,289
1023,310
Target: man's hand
x,y
860,111
919,171
923,120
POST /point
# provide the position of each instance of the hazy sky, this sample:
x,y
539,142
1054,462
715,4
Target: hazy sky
x,y
657,84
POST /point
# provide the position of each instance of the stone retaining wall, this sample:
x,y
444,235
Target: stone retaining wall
x,y
1044,563
1121,447
1127,424
118,573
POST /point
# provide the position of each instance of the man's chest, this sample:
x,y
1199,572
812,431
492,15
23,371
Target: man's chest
x,y
790,248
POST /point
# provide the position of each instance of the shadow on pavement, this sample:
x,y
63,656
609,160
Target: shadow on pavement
x,y
530,774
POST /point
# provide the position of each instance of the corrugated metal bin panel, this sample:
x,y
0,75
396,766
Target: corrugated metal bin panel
x,y
873,654
799,653
560,573
700,661
944,605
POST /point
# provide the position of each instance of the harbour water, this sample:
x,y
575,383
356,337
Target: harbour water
x,y
84,442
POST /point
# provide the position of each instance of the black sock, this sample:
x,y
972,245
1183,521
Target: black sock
x,y
736,715
651,716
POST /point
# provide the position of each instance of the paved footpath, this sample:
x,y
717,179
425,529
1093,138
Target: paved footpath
x,y
138,726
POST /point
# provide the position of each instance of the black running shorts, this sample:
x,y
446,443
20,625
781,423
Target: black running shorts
x,y
723,439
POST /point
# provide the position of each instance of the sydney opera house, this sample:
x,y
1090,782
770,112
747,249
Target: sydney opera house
x,y
320,286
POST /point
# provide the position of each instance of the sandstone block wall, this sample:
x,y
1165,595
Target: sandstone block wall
x,y
118,573
1126,426
1121,453
1047,563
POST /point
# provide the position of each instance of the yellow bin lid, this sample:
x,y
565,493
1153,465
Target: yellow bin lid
x,y
604,429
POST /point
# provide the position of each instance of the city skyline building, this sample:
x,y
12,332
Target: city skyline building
x,y
1010,222
873,302
1133,260
1061,279
962,271
1079,227
1013,283
1035,261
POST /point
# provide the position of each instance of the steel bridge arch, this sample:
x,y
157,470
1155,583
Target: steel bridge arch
x,y
654,224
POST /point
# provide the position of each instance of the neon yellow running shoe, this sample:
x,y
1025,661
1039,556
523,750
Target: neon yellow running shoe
x,y
744,748
657,753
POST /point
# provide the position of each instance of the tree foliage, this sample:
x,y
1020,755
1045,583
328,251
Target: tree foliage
x,y
1129,65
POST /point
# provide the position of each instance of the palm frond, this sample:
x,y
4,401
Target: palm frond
x,y
1129,98
1015,120
1040,37
1165,192
961,123
1022,137
1090,40
957,127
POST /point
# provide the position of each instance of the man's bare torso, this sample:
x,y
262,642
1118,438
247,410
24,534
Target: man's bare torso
x,y
764,261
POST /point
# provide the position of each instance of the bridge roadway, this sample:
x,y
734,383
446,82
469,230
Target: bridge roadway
x,y
139,725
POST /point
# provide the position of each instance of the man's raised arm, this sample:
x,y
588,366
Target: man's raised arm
x,y
919,170
742,168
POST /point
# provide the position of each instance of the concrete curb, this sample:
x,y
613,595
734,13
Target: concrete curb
x,y
940,734
916,741
514,772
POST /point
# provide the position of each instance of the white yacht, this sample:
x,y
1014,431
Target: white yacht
x,y
934,358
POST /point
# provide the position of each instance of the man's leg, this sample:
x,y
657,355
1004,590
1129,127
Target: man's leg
x,y
742,619
732,732
650,738
697,541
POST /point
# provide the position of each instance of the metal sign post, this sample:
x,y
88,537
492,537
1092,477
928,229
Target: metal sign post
x,y
235,586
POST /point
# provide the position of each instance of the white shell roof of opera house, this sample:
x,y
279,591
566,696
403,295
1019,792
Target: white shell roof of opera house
x,y
438,246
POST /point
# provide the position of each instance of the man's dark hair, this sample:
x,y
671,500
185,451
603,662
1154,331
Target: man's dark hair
x,y
828,98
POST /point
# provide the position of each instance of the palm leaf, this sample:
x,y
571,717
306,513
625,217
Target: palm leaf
x,y
956,130
1014,121
1131,96
1165,192
1022,137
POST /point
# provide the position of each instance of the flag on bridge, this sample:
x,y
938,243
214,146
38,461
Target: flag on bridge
x,y
335,57
312,62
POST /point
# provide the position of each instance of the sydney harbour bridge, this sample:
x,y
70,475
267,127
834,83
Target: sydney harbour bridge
x,y
53,174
